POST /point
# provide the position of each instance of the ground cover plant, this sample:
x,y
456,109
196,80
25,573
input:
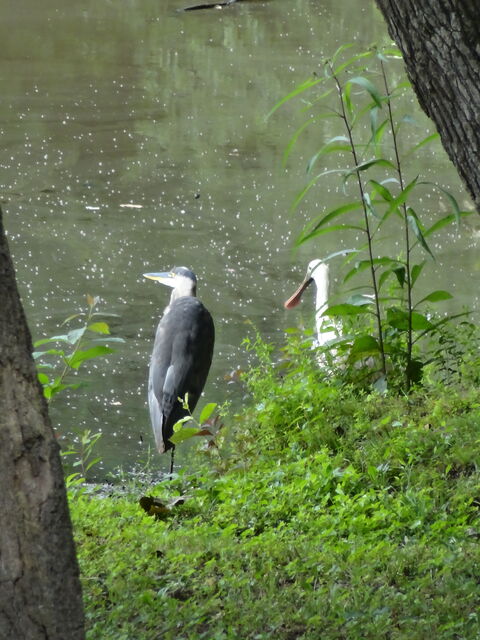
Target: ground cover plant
x,y
328,513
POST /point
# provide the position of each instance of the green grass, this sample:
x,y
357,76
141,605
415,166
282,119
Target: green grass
x,y
331,514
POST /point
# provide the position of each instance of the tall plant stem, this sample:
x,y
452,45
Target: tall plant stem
x,y
367,225
408,249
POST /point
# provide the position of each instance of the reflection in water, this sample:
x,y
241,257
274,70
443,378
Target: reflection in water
x,y
134,139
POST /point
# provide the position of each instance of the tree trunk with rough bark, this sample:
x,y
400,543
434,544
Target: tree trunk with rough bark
x,y
440,42
40,593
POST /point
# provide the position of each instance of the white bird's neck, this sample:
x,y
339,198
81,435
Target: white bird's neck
x,y
320,276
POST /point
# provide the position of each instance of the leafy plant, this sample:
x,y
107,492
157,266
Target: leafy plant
x,y
81,344
56,364
82,450
181,429
384,200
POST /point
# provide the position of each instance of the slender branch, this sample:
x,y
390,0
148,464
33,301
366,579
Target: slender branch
x,y
406,231
367,225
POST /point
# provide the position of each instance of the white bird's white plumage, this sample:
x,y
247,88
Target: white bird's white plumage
x,y
318,273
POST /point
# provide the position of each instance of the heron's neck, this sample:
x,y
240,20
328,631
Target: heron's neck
x,y
184,288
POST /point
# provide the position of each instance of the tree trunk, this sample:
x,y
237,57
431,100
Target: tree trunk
x,y
40,593
440,42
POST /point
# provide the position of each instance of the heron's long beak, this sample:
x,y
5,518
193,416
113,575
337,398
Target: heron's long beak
x,y
295,299
165,277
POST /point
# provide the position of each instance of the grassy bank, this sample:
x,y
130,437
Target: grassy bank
x,y
332,513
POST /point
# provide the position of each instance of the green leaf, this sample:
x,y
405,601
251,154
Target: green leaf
x,y
416,271
420,322
347,97
414,223
443,222
382,190
312,182
398,318
321,232
51,352
207,411
43,378
365,264
347,63
363,347
299,131
75,335
330,147
414,370
80,356
422,143
384,277
369,87
402,197
99,327
39,343
345,309
436,296
359,299
363,166
341,49
179,424
331,215
400,273
184,434
72,317
301,88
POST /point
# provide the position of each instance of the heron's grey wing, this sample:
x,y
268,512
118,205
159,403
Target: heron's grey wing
x,y
180,364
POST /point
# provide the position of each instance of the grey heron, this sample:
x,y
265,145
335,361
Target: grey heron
x,y
181,357
318,273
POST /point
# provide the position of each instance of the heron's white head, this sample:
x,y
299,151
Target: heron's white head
x,y
182,280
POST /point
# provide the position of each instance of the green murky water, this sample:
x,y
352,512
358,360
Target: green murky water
x,y
134,138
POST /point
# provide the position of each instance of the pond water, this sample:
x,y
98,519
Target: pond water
x,y
134,139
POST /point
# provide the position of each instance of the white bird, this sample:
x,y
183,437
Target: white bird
x,y
317,272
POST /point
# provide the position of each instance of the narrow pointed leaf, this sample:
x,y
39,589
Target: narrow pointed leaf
x,y
415,226
301,88
402,197
416,271
328,148
422,143
39,343
300,130
320,232
436,296
312,182
369,87
347,63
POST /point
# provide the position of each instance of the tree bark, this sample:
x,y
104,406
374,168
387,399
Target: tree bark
x,y
40,593
440,43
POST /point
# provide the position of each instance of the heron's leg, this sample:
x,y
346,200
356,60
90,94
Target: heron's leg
x,y
171,461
